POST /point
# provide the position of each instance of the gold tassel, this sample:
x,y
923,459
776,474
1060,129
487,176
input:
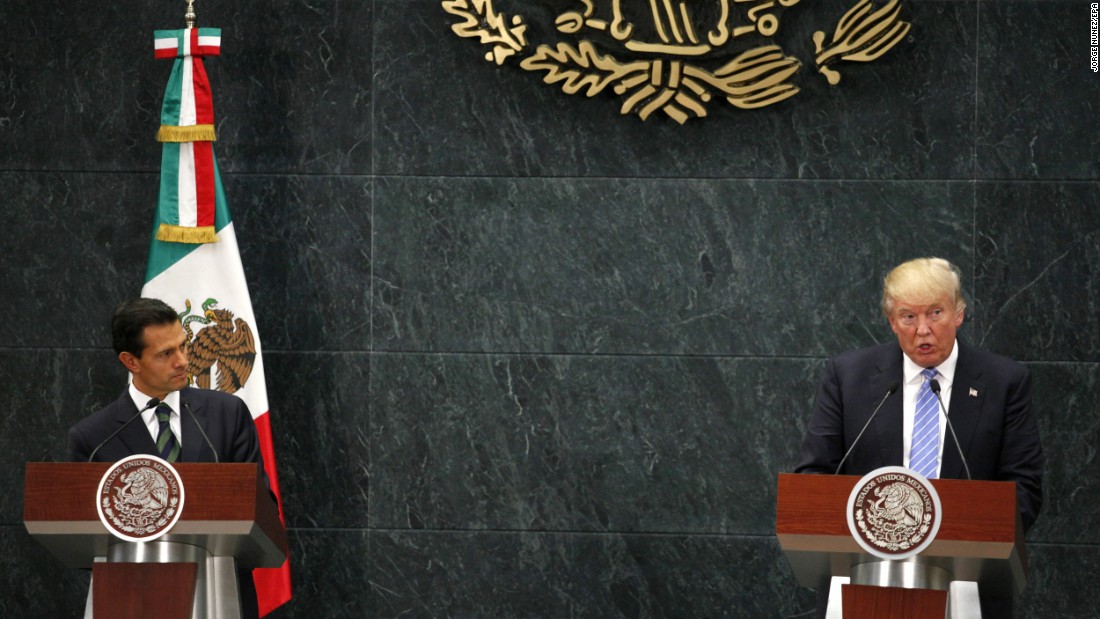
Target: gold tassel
x,y
181,234
191,133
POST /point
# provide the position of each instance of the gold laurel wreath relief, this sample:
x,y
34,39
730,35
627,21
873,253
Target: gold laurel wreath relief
x,y
671,84
754,79
481,20
861,36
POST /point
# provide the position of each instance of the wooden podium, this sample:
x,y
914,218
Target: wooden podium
x,y
980,541
229,521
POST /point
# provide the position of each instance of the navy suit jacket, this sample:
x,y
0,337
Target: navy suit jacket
x,y
225,418
990,410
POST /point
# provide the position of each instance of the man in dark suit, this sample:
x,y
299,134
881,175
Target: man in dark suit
x,y
987,396
152,345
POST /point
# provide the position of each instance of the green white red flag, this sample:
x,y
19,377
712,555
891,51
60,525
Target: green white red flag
x,y
194,261
187,200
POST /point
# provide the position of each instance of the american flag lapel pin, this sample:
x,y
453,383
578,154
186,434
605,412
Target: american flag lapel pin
x,y
973,392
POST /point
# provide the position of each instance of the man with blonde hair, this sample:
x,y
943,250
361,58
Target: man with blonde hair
x,y
987,396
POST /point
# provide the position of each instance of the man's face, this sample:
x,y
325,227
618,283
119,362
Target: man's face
x,y
162,366
926,333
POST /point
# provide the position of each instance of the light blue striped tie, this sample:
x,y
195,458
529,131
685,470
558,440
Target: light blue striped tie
x,y
926,429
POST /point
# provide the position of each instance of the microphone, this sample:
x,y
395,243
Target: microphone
x,y
935,386
155,402
201,431
889,392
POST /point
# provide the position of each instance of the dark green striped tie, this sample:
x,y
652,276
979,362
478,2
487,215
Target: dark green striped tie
x,y
167,444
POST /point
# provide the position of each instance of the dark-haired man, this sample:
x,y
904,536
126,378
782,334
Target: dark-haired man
x,y
151,344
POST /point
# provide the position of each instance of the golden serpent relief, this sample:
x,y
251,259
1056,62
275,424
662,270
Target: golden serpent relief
x,y
660,55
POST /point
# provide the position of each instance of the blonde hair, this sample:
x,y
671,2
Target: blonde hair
x,y
923,281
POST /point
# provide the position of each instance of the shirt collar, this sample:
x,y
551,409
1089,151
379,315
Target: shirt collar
x,y
142,399
911,372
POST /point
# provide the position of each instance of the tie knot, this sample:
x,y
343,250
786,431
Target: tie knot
x,y
929,373
164,413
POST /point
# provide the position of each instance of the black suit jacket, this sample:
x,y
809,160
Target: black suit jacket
x,y
225,418
990,411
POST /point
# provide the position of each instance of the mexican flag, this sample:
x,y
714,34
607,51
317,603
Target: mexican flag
x,y
195,264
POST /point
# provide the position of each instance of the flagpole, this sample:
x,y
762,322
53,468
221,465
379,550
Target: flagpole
x,y
193,255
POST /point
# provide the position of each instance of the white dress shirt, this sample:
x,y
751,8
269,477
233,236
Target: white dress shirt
x,y
150,416
912,381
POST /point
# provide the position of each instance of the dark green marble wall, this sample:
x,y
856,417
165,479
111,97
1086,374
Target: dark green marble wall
x,y
528,357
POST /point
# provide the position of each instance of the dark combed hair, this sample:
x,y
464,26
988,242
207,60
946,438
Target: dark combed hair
x,y
130,319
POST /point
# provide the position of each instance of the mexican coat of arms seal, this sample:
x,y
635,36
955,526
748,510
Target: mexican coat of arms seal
x,y
140,498
894,513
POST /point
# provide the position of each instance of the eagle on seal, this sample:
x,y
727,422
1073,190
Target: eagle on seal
x,y
145,489
899,504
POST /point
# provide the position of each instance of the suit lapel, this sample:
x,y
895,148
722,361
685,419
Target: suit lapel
x,y
192,410
135,436
888,423
965,411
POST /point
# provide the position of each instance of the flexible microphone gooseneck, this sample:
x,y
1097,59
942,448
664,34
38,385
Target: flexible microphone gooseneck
x,y
155,402
935,386
201,431
889,392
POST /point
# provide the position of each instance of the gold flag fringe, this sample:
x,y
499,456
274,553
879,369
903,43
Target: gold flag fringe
x,y
180,234
190,133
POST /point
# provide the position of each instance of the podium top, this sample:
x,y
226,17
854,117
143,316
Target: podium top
x,y
981,538
228,511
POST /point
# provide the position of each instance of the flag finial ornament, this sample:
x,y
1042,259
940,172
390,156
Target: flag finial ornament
x,y
189,16
189,180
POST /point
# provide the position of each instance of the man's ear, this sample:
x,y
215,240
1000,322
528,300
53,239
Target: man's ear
x,y
890,320
129,361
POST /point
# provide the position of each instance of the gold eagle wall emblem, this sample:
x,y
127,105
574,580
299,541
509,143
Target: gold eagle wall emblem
x,y
224,341
661,61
